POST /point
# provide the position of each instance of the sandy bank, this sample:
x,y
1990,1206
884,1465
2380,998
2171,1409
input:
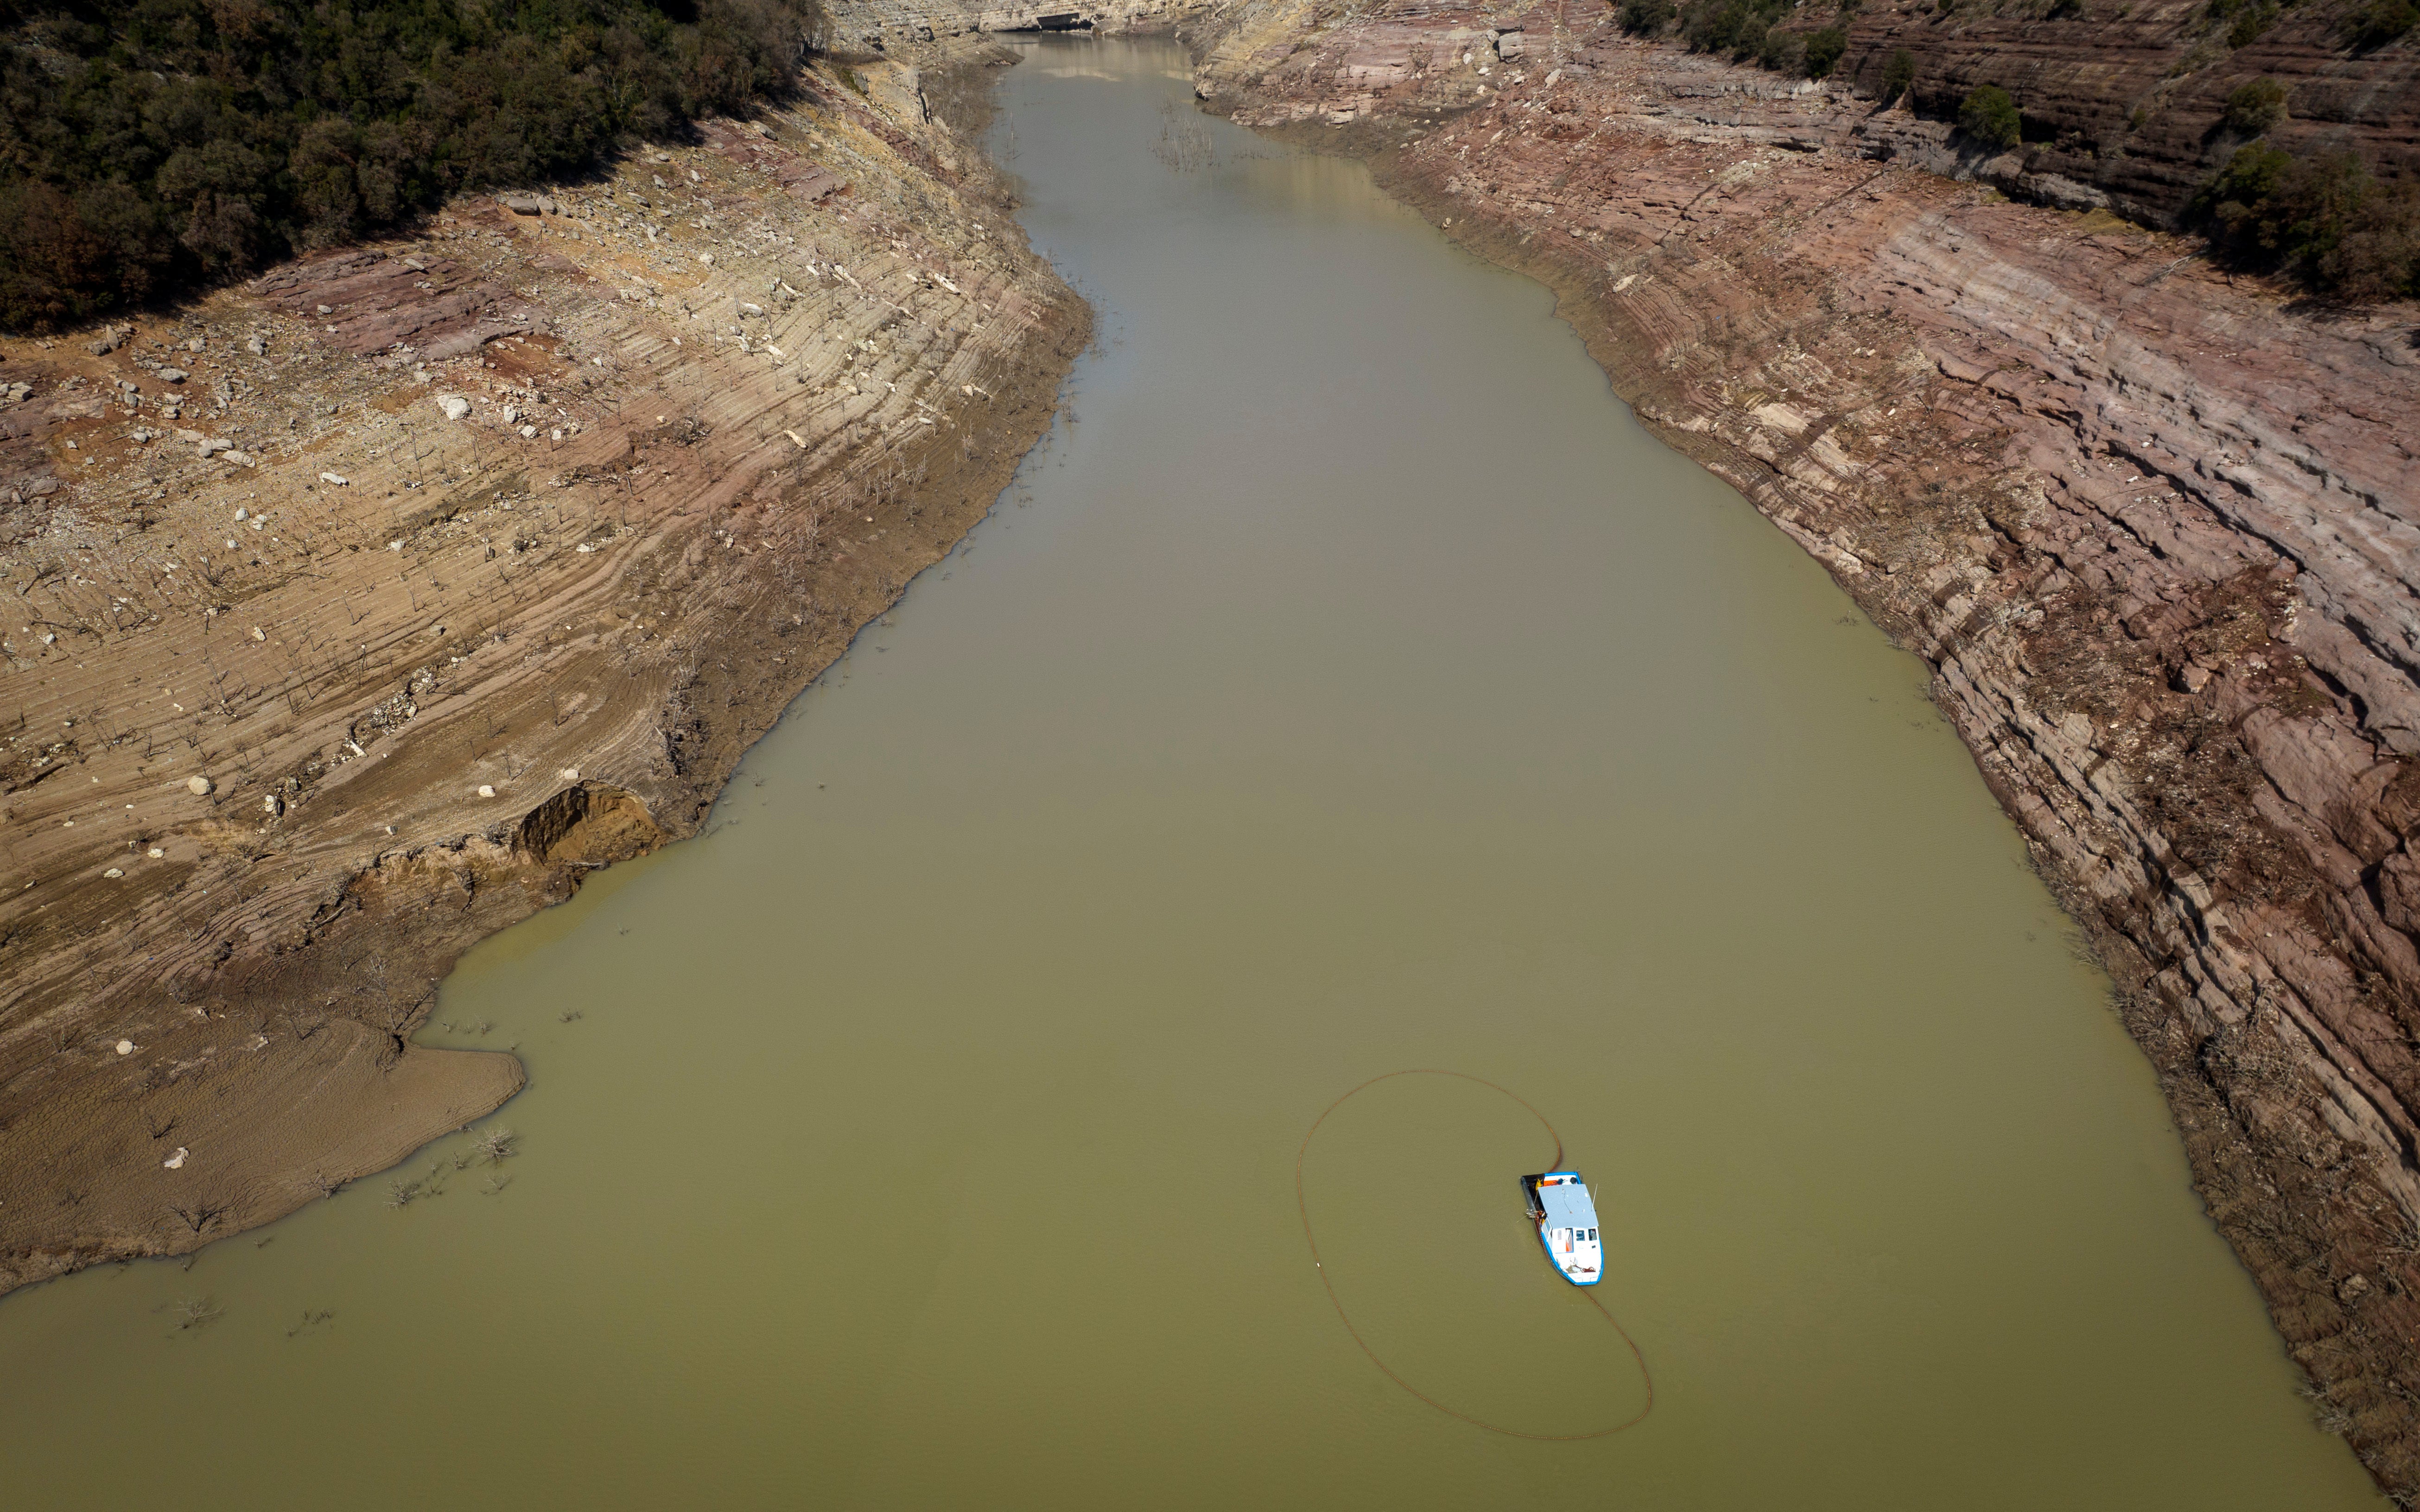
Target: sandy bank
x,y
359,612
2153,528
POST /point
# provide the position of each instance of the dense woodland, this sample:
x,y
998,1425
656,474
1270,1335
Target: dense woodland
x,y
150,144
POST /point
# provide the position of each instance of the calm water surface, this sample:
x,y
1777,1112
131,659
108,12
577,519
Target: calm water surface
x,y
1349,684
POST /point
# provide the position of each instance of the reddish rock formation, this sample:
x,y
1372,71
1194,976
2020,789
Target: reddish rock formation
x,y
370,302
2155,529
510,538
2128,100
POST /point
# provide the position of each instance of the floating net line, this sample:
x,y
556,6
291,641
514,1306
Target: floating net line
x,y
1302,1205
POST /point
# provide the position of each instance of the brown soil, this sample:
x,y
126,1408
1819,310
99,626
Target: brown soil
x,y
314,685
2152,527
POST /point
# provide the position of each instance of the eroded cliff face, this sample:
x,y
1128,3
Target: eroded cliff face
x,y
359,612
2154,529
2125,106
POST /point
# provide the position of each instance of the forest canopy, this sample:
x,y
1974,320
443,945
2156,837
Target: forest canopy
x,y
150,144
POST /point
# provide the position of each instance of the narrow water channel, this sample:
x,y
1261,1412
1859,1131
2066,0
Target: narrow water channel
x,y
1347,685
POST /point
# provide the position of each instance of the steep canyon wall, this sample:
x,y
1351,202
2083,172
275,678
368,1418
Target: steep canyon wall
x,y
360,610
2125,106
2153,528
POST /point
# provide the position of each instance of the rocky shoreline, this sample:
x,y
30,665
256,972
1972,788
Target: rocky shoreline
x,y
2153,526
361,610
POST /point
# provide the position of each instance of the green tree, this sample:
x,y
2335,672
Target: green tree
x,y
1898,71
2255,107
2324,220
1738,27
2250,26
2382,21
1824,50
1647,17
1990,117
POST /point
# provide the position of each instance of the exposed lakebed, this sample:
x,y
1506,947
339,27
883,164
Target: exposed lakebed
x,y
1347,685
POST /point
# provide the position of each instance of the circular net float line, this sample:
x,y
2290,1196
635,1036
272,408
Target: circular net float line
x,y
1302,1207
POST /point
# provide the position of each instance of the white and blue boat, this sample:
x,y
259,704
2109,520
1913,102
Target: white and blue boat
x,y
1565,1215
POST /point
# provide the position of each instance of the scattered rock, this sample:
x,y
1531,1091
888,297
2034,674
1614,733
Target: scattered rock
x,y
126,1047
334,478
115,872
486,791
2129,531
177,1161
705,257
172,375
200,787
407,321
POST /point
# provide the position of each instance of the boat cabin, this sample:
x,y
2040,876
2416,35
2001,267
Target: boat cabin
x,y
1565,1215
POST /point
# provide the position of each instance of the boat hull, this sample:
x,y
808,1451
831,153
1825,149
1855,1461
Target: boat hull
x,y
1563,1210
1557,1261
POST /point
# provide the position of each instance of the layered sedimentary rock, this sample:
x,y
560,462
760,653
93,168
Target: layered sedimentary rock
x,y
359,612
2126,106
2155,530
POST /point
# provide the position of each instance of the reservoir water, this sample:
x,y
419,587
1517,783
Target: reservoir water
x,y
1347,685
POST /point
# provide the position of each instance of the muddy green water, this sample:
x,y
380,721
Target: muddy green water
x,y
1349,684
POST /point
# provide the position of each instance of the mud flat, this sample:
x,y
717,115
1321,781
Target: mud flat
x,y
2153,526
359,612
